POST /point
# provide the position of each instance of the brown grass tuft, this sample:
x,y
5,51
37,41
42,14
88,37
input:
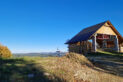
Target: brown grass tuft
x,y
74,68
78,58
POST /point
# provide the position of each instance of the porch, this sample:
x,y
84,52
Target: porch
x,y
105,42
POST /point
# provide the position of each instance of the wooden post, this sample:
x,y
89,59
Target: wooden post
x,y
104,43
116,44
94,44
80,47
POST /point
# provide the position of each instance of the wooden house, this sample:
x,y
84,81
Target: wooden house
x,y
100,36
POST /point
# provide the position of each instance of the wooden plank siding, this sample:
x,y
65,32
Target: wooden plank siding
x,y
106,29
80,47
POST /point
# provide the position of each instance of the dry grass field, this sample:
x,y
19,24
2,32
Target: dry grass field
x,y
70,68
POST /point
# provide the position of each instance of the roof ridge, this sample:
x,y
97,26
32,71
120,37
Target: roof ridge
x,y
95,24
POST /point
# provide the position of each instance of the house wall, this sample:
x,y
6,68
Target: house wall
x,y
121,47
80,47
85,47
106,29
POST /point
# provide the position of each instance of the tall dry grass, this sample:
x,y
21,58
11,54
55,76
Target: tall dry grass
x,y
75,68
65,67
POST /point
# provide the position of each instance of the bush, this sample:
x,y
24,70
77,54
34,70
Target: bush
x,y
5,52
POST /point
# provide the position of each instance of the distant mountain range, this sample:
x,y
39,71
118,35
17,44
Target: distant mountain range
x,y
42,54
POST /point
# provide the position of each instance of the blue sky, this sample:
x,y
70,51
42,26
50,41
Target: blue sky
x,y
45,25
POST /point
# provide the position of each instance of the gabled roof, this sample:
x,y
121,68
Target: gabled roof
x,y
86,33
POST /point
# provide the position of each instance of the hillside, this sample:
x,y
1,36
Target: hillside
x,y
70,68
42,54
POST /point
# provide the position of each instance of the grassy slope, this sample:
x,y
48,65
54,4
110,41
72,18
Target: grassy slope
x,y
106,53
69,68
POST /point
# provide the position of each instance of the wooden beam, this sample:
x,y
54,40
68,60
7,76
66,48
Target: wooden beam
x,y
94,43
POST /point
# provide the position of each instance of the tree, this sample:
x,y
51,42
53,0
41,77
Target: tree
x,y
5,52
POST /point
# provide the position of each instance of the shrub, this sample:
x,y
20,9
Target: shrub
x,y
5,52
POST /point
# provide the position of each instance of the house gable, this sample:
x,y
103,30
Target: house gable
x,y
106,29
